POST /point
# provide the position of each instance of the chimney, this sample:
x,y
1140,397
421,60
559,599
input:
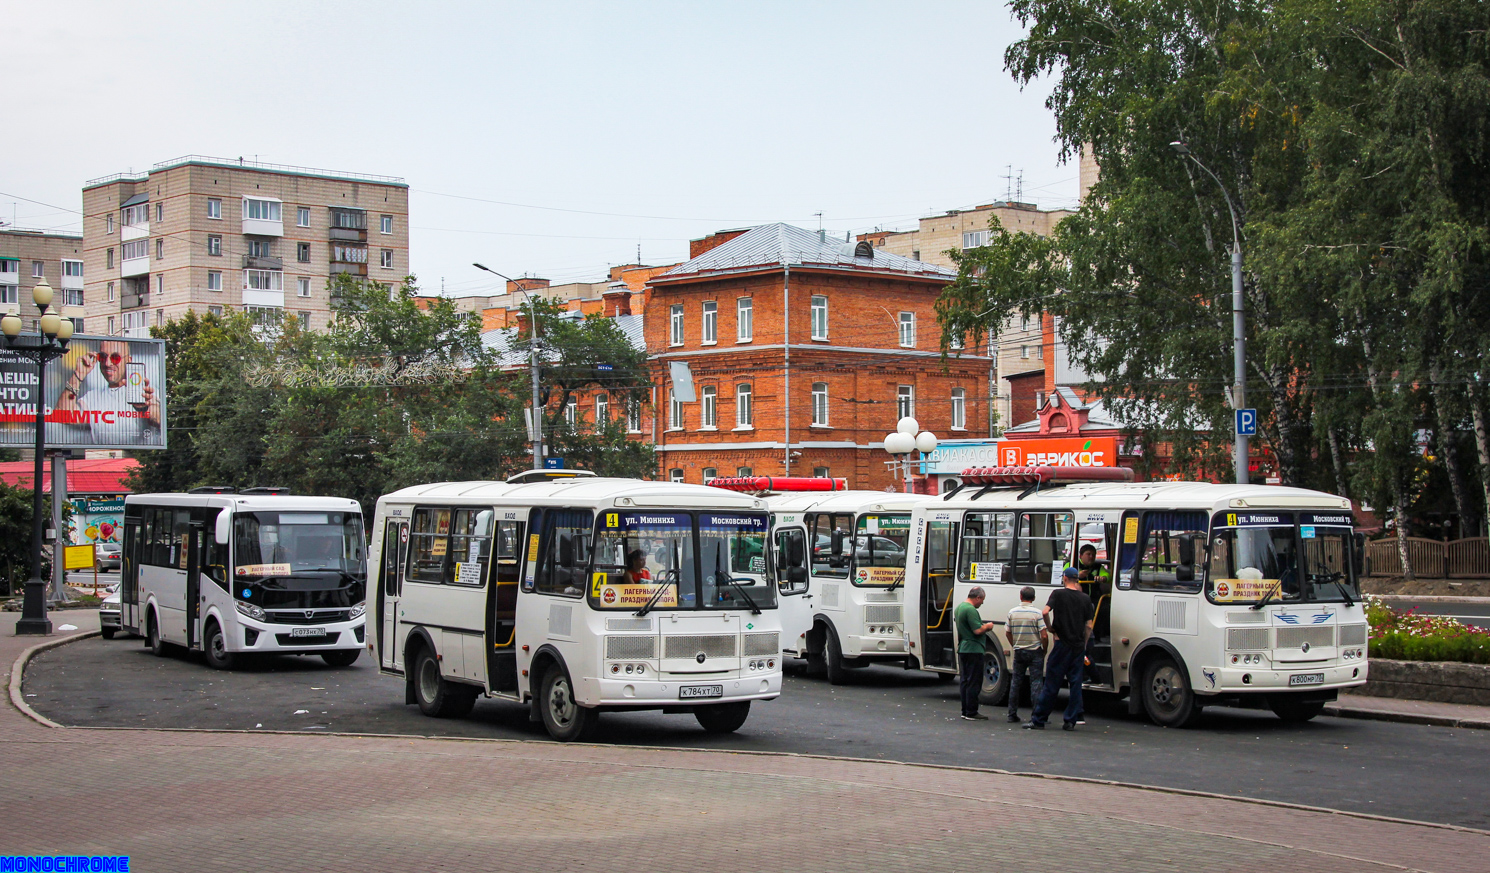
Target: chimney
x,y
697,247
526,284
617,300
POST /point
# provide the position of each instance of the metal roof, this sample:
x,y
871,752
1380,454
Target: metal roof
x,y
138,198
846,501
577,491
782,245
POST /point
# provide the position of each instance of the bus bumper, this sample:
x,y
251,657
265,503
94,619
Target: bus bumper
x,y
667,691
262,637
1268,678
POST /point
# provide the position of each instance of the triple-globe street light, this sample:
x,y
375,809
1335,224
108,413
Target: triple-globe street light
x,y
905,440
40,348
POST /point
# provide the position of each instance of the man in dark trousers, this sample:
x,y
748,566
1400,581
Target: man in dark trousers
x,y
971,643
1069,615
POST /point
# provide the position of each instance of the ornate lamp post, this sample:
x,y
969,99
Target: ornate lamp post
x,y
41,347
905,440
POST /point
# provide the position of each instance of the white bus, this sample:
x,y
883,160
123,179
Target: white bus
x,y
841,557
1205,594
253,572
576,595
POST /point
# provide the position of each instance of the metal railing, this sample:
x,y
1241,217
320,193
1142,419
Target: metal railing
x,y
278,168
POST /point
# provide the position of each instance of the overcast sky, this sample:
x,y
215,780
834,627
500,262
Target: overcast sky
x,y
548,139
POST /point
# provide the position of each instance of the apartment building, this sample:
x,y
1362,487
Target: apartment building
x,y
804,352
27,257
218,235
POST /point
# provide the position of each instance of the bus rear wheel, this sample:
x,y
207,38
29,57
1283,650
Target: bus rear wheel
x,y
995,679
216,647
833,664
153,642
436,697
1167,697
722,718
1293,710
564,718
343,658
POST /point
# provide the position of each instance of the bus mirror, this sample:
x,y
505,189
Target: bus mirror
x,y
224,528
1184,571
794,557
835,546
796,576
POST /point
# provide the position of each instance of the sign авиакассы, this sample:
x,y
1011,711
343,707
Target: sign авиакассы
x,y
102,393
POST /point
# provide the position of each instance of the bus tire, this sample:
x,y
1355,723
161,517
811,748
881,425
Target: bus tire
x,y
107,633
995,688
833,666
438,698
1293,710
1166,694
343,658
563,717
216,647
722,718
153,642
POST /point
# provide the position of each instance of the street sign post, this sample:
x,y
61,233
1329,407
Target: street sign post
x,y
1246,422
553,463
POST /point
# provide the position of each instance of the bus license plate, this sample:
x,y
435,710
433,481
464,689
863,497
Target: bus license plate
x,y
692,692
307,632
1306,679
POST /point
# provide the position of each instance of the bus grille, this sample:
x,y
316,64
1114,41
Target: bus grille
x,y
762,644
1246,638
287,640
712,645
1352,635
630,648
875,614
302,616
1295,637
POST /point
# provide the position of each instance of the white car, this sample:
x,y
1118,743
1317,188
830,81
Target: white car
x,y
108,616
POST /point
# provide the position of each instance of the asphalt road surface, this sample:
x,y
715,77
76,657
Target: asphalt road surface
x,y
1408,771
1475,614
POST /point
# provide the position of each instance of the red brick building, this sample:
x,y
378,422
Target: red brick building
x,y
804,351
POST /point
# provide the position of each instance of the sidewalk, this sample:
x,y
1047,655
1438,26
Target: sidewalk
x,y
259,801
1461,715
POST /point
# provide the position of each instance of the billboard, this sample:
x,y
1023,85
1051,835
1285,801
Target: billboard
x,y
954,456
102,393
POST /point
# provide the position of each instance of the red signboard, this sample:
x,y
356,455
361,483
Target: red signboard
x,y
1060,452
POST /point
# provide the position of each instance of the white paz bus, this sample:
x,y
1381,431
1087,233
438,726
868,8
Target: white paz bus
x,y
1205,594
238,573
577,595
841,556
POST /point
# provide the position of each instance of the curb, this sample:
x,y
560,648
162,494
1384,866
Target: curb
x,y
17,669
1406,717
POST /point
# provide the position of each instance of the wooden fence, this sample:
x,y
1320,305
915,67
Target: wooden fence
x,y
1432,559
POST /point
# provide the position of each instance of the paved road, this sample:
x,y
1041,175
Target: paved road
x,y
1410,771
1476,614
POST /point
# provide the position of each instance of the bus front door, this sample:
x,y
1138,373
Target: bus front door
x,y
129,577
390,584
194,582
501,627
939,572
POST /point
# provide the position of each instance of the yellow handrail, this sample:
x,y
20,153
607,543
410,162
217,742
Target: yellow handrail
x,y
943,609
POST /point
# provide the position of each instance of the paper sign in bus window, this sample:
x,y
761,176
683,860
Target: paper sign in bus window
x,y
988,571
636,596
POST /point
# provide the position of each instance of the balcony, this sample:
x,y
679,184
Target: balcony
x,y
134,231
135,266
137,332
262,262
350,234
353,269
128,300
11,277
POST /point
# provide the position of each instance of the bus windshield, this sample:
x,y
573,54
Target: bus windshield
x,y
676,560
281,544
1256,555
879,549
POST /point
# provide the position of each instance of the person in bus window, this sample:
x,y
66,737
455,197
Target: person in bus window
x,y
636,568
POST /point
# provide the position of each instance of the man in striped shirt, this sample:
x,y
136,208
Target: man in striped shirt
x,y
1026,633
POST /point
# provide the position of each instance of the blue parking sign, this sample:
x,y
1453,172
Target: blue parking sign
x,y
1246,422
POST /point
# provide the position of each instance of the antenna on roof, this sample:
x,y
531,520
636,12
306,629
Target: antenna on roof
x,y
1019,187
819,221
1008,175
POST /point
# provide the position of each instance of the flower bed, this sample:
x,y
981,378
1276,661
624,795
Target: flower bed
x,y
1407,636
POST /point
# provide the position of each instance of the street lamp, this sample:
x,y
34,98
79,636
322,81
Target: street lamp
x,y
533,362
1238,318
905,440
42,347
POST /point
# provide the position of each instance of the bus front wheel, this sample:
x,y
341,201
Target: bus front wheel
x,y
722,718
216,647
153,642
343,658
1293,710
566,720
436,697
1167,697
833,664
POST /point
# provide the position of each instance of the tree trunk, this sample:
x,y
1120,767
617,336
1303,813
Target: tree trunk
x,y
1337,462
1399,512
1482,443
1448,446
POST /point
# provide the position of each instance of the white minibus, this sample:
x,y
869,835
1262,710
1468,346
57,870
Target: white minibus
x,y
256,571
576,595
1205,594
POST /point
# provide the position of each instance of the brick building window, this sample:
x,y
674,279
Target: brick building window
x,y
959,409
674,411
743,414
302,217
675,324
214,208
304,320
108,227
302,252
571,413
675,475
385,224
744,471
111,292
744,320
214,280
304,286
108,258
820,472
160,248
214,246
602,408
387,259
819,317
160,212
711,322
38,269
905,401
1024,353
820,404
633,415
215,310
710,474
908,330
708,408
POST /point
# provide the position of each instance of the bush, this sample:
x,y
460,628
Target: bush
x,y
1407,636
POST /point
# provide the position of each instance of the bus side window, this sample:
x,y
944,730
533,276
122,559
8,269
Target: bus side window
x,y
1044,547
429,545
470,547
215,560
791,560
565,559
824,527
1167,539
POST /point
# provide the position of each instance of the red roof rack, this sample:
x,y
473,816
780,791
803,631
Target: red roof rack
x,y
779,483
1044,475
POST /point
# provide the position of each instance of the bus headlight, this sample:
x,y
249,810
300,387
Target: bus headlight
x,y
358,610
251,611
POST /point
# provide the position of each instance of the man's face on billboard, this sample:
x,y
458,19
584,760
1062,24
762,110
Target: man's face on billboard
x,y
112,356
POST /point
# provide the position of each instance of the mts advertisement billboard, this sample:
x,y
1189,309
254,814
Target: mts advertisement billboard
x,y
102,393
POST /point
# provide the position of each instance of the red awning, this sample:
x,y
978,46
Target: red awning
x,y
84,476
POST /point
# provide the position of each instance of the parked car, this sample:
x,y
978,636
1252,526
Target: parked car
x,y
108,556
108,616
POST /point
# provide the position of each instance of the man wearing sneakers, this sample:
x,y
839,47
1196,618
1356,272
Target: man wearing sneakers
x,y
971,644
1069,615
1025,631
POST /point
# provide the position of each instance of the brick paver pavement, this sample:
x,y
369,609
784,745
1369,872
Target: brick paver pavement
x,y
254,801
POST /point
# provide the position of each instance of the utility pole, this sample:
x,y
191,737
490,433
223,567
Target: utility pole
x,y
536,429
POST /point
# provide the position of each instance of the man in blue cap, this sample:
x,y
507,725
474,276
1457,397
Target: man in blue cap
x,y
1069,615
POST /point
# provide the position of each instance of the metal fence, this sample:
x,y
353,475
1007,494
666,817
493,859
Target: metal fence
x,y
1432,559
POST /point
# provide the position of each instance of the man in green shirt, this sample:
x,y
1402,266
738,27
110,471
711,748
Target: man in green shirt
x,y
971,643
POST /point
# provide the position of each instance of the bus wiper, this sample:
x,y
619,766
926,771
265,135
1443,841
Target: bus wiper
x,y
720,574
897,583
1335,578
1268,596
656,596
